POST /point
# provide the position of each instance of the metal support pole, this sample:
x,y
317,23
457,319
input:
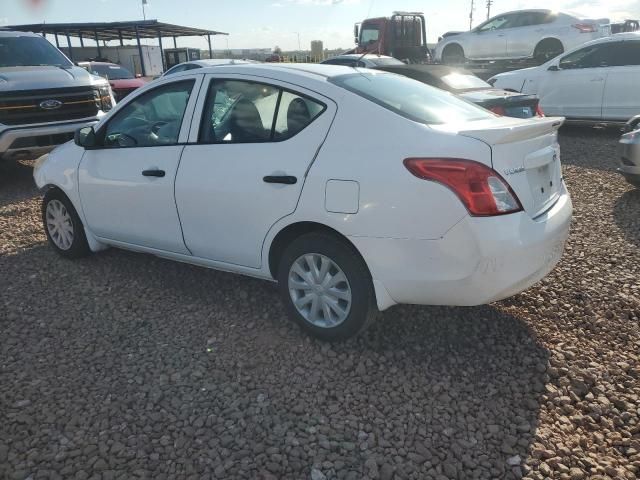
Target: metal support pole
x,y
175,44
69,44
57,41
81,39
164,66
210,49
144,71
121,39
98,43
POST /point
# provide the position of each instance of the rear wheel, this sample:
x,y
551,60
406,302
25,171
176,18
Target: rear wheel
x,y
62,225
547,49
453,55
326,287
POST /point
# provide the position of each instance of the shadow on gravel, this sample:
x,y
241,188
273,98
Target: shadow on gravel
x,y
16,182
589,147
205,362
626,215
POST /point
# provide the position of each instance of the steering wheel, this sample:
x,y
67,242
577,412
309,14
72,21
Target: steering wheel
x,y
125,140
157,126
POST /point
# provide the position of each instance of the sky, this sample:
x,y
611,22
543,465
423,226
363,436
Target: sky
x,y
267,23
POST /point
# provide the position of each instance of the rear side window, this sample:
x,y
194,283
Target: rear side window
x,y
411,99
239,111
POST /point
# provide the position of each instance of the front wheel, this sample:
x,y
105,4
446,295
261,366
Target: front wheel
x,y
63,226
326,287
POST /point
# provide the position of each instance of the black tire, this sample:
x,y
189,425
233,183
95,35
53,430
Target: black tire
x,y
547,49
453,55
78,247
363,309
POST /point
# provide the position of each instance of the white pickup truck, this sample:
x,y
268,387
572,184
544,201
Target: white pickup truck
x,y
44,97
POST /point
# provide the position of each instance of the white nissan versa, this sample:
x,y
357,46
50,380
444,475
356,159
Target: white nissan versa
x,y
354,189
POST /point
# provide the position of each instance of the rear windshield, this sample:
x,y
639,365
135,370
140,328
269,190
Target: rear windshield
x,y
463,81
410,98
25,51
111,72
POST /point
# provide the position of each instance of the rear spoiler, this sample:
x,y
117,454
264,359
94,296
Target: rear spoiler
x,y
505,129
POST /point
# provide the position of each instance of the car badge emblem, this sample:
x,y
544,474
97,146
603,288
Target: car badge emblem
x,y
513,171
50,104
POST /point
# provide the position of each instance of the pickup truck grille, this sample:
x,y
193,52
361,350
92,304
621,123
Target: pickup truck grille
x,y
50,105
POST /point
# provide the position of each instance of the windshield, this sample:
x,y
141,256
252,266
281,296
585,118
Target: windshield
x,y
382,62
411,99
462,81
25,51
369,34
111,72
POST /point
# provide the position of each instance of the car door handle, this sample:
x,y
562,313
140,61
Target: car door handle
x,y
153,173
285,179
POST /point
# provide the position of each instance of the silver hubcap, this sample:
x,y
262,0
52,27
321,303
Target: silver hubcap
x,y
319,290
59,224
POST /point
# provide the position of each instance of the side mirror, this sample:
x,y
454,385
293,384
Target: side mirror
x,y
85,137
356,33
553,68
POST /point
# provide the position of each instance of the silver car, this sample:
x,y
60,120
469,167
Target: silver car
x,y
629,152
538,34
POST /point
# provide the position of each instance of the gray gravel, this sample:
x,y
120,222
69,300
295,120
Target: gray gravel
x,y
123,365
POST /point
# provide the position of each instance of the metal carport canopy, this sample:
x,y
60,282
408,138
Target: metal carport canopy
x,y
120,31
115,30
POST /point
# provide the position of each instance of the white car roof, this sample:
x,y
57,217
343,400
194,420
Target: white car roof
x,y
319,71
359,55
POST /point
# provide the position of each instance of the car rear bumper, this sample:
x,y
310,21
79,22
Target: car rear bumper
x,y
32,141
479,261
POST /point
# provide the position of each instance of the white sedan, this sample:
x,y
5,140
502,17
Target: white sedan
x,y
594,82
354,190
537,34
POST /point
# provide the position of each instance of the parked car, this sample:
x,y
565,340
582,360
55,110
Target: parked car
x,y
466,85
629,152
363,61
270,171
195,64
122,81
524,34
594,82
44,98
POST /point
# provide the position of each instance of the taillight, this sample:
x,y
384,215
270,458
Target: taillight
x,y
539,111
480,188
498,111
586,27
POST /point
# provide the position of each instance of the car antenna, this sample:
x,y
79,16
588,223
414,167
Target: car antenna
x,y
367,52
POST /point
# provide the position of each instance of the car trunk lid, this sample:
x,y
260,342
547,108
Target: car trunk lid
x,y
525,153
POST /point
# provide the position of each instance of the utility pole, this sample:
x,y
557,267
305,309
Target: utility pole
x,y
471,16
489,3
144,14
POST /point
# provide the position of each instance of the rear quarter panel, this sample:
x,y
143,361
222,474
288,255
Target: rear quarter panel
x,y
367,144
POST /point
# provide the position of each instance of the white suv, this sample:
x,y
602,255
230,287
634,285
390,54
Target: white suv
x,y
538,34
595,82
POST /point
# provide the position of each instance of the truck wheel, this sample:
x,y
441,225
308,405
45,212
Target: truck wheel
x,y
453,55
547,49
326,287
62,225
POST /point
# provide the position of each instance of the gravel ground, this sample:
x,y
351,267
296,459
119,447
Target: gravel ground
x,y
123,365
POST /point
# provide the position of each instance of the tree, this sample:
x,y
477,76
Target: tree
x,y
277,50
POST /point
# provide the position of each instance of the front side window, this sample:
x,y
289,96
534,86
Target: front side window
x,y
497,23
592,56
238,111
411,99
369,34
151,119
24,51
